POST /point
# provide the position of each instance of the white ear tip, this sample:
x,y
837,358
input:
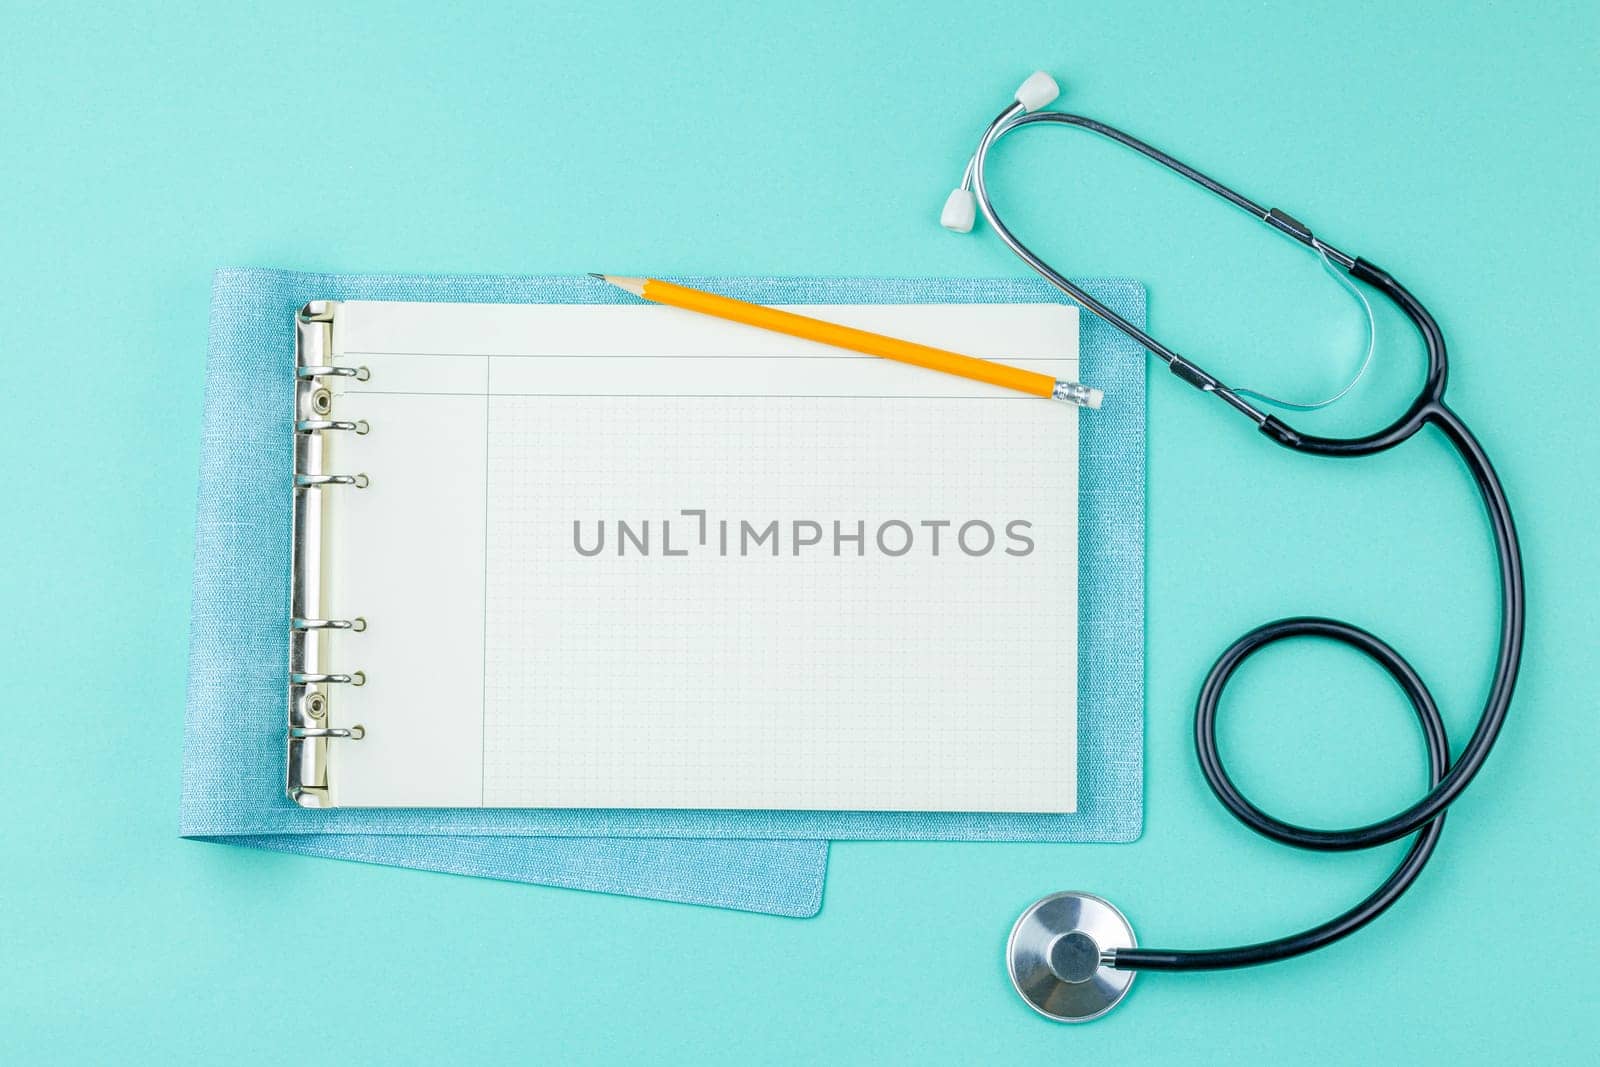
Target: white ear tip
x,y
960,211
1037,91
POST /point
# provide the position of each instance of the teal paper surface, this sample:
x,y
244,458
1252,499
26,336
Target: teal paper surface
x,y
143,145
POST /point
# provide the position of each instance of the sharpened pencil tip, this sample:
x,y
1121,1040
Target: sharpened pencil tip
x,y
627,285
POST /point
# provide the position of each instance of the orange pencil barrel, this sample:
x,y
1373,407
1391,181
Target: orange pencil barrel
x,y
832,333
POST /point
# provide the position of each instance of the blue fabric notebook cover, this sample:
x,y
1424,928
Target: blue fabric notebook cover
x,y
769,861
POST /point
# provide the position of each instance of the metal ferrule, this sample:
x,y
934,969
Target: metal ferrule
x,y
1076,393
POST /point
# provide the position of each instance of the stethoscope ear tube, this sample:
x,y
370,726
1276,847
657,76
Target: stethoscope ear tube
x,y
1049,925
1428,403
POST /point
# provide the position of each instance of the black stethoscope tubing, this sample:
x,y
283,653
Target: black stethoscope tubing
x,y
1446,778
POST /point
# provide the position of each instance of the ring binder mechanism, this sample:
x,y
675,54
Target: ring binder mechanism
x,y
354,733
359,427
311,675
311,481
301,678
357,624
360,374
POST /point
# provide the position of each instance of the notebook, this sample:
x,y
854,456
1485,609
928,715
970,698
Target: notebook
x,y
563,556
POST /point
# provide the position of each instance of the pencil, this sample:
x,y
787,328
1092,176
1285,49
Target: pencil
x,y
872,344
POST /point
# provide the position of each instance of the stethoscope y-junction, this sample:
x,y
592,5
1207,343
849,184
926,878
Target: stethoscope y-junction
x,y
1072,956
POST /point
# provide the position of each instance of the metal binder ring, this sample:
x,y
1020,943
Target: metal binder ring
x,y
358,427
354,733
354,678
311,481
360,374
355,625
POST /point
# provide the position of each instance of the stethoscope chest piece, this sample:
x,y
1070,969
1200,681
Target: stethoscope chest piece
x,y
1055,956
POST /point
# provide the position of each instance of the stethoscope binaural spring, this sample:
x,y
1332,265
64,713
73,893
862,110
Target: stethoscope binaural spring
x,y
1072,956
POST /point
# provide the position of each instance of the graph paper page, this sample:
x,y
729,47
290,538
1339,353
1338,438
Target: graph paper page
x,y
635,557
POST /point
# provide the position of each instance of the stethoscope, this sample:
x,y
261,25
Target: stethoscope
x,y
1072,956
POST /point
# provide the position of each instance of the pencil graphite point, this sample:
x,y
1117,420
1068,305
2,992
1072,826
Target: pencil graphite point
x,y
627,285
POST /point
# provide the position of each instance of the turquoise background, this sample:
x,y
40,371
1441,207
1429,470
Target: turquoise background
x,y
1450,143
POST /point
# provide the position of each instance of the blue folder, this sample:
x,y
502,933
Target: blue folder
x,y
767,861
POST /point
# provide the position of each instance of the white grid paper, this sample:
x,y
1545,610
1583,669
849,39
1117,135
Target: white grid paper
x,y
708,680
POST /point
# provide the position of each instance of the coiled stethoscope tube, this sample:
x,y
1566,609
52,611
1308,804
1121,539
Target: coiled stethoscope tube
x,y
1070,953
